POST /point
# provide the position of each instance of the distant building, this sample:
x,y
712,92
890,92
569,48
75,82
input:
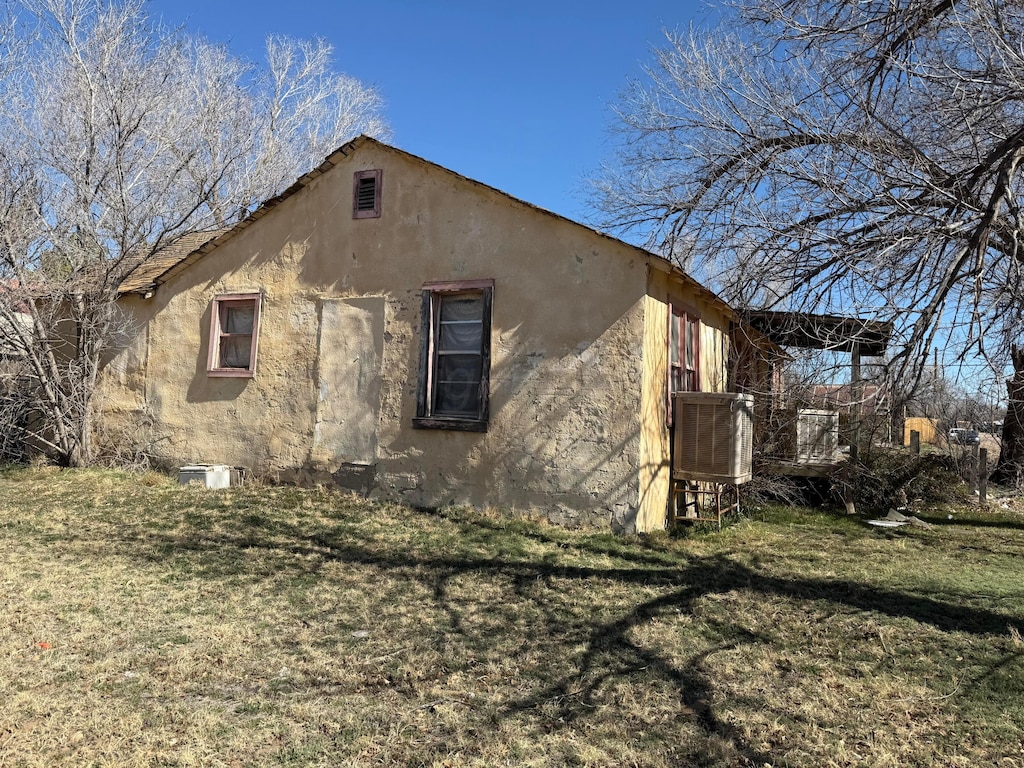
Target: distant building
x,y
837,397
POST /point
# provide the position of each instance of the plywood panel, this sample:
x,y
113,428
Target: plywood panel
x,y
349,354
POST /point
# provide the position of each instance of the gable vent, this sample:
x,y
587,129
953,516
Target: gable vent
x,y
366,194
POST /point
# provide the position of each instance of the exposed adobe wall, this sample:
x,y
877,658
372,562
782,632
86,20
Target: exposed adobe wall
x,y
334,393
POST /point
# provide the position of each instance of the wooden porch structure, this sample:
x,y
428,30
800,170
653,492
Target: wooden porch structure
x,y
857,336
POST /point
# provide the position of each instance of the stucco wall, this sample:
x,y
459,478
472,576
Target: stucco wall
x,y
331,405
655,448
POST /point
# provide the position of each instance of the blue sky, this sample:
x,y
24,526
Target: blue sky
x,y
515,95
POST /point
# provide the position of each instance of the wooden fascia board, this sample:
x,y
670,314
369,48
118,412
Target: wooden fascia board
x,y
665,266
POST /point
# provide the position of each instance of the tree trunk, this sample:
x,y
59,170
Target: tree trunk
x,y
1010,467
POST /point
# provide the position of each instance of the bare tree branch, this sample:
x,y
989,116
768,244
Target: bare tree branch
x,y
120,138
835,157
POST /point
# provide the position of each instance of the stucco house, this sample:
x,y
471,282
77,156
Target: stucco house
x,y
390,326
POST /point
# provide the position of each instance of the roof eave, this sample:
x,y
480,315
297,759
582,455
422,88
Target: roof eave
x,y
337,156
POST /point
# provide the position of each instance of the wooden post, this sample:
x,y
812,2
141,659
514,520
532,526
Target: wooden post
x,y
855,389
915,442
973,467
982,476
855,398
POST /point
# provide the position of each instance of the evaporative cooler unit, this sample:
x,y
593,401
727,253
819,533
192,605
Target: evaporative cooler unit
x,y
714,436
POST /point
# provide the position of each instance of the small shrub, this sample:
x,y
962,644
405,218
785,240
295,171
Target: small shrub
x,y
126,443
769,490
885,479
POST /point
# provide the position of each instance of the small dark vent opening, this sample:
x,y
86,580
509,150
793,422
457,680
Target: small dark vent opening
x,y
366,194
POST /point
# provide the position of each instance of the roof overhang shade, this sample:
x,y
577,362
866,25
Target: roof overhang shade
x,y
833,332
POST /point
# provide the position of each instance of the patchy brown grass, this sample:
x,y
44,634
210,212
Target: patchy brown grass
x,y
146,624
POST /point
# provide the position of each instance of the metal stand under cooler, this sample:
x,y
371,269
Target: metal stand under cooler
x,y
711,454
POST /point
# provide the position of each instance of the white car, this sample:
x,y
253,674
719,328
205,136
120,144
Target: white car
x,y
964,436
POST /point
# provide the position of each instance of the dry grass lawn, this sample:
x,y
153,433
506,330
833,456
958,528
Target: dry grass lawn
x,y
146,624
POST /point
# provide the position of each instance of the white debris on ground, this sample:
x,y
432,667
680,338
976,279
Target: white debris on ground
x,y
896,519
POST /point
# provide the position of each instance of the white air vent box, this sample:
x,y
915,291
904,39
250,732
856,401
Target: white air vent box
x,y
210,475
713,437
817,435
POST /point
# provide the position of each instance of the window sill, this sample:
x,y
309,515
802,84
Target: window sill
x,y
460,425
234,373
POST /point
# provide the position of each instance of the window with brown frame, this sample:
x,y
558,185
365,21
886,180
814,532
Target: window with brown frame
x,y
683,353
455,356
366,194
234,331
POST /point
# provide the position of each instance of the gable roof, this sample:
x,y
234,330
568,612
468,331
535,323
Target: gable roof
x,y
164,265
144,277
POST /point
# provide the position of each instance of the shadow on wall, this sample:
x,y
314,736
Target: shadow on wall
x,y
563,439
206,389
565,415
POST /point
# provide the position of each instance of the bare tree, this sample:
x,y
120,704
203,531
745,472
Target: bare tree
x,y
121,137
828,156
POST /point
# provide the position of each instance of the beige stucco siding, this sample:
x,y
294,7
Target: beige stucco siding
x,y
666,288
329,405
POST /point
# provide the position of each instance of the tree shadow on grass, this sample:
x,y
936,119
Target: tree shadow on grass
x,y
612,545
583,647
975,520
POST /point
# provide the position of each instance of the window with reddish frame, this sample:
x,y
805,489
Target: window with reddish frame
x,y
455,356
234,332
683,353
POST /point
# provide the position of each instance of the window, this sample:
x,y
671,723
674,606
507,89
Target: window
x,y
366,194
683,354
455,356
234,329
684,351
